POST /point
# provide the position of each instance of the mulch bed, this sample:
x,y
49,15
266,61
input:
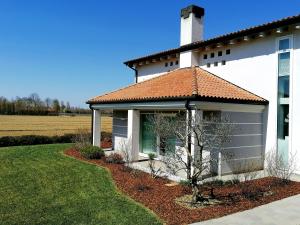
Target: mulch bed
x,y
154,194
106,143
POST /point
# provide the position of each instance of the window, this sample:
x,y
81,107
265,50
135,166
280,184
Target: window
x,y
215,63
223,63
208,65
219,53
176,63
284,44
166,64
212,55
171,63
227,51
205,56
283,90
212,115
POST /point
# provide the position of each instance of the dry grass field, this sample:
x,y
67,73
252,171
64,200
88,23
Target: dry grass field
x,y
47,125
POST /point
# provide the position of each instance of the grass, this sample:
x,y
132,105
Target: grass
x,y
11,125
40,185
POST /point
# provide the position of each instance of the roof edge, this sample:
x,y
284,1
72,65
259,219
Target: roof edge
x,y
223,38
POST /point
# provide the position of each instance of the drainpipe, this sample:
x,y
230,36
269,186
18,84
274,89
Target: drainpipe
x,y
189,114
135,73
92,126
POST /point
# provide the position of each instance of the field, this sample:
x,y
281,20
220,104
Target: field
x,y
47,125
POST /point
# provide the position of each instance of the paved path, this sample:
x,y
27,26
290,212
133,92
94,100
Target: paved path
x,y
282,212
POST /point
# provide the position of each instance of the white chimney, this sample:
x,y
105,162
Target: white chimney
x,y
191,30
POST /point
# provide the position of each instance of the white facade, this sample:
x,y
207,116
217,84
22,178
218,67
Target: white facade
x,y
253,65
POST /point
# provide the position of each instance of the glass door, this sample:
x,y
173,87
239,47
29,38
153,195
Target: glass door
x,y
148,138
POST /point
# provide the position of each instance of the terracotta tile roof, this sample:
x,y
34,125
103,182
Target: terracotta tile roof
x,y
223,38
186,83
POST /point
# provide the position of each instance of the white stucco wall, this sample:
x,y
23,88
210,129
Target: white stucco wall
x,y
252,66
151,70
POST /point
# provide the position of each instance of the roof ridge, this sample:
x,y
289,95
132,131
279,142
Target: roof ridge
x,y
139,83
228,82
194,81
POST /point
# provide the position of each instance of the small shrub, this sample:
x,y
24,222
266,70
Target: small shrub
x,y
155,172
184,182
91,152
251,193
230,182
114,158
82,139
214,183
143,187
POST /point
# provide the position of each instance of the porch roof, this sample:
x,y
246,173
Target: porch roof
x,y
191,83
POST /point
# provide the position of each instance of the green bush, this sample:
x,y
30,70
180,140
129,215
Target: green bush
x,y
92,152
151,156
114,158
184,182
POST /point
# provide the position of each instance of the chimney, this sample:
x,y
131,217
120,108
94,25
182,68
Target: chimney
x,y
191,30
191,24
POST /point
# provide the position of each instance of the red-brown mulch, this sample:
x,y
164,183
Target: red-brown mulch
x,y
106,143
154,194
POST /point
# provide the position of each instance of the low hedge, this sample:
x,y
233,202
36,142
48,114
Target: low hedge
x,y
7,141
92,152
34,140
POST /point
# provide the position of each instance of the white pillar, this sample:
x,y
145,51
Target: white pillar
x,y
220,165
133,132
96,127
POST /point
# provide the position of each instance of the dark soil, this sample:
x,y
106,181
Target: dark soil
x,y
154,194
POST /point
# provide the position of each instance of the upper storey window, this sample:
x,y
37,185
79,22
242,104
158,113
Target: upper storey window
x,y
284,44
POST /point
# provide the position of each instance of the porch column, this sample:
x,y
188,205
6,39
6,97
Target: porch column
x,y
196,117
96,127
133,132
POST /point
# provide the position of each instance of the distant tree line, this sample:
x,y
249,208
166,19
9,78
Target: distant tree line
x,y
34,105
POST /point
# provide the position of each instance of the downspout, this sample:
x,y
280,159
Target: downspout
x,y
135,73
92,125
189,113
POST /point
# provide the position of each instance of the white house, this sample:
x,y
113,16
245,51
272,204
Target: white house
x,y
251,75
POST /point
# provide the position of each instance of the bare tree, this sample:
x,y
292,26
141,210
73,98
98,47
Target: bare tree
x,y
206,136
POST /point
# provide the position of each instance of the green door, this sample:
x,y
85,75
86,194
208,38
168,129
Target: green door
x,y
148,138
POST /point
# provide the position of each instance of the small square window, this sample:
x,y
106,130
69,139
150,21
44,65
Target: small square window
x,y
284,44
176,63
219,53
227,51
208,65
215,63
223,62
171,63
166,64
212,55
205,56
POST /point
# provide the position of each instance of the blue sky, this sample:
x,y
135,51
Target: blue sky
x,y
74,50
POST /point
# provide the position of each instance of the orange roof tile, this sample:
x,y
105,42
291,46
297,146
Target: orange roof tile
x,y
186,83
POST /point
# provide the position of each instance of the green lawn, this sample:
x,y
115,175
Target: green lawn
x,y
39,185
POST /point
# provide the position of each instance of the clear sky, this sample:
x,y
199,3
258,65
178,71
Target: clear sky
x,y
75,49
